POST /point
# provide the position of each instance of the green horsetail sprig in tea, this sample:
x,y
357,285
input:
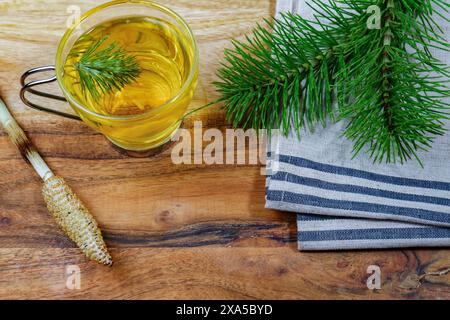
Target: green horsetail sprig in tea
x,y
102,71
297,73
143,72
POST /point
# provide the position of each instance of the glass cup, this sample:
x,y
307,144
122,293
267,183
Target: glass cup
x,y
137,133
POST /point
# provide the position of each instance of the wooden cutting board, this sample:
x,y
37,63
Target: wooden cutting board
x,y
192,231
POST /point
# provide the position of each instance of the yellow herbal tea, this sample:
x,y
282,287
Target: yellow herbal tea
x,y
146,112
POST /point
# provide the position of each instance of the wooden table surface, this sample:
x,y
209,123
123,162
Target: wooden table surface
x,y
191,231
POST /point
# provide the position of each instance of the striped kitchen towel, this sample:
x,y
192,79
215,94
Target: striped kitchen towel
x,y
345,203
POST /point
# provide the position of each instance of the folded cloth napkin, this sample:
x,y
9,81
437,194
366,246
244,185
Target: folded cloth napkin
x,y
345,203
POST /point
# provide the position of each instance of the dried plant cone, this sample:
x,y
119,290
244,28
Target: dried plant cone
x,y
75,220
67,209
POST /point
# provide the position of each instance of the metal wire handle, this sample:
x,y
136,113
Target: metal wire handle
x,y
27,87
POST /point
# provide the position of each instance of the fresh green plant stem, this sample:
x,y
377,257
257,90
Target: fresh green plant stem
x,y
292,77
412,103
103,70
386,61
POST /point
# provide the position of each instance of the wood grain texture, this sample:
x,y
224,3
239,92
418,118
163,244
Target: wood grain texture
x,y
191,231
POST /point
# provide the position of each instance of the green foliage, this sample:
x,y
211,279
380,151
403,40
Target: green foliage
x,y
303,72
102,71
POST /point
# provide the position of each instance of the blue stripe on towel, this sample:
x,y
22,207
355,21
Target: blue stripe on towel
x,y
314,217
305,163
349,188
371,234
309,200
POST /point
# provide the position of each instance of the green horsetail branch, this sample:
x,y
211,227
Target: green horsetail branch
x,y
376,73
102,70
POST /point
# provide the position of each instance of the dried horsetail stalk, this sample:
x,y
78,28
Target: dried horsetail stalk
x,y
67,209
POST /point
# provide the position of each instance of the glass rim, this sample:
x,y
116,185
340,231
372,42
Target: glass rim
x,y
148,3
